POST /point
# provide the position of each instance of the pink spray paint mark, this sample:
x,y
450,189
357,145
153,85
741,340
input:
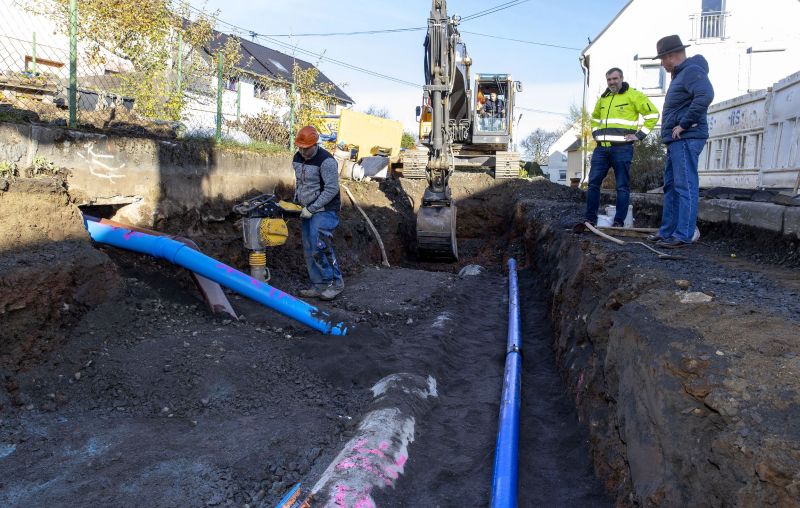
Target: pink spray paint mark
x,y
341,495
364,502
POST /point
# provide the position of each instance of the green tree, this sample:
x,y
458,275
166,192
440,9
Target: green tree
x,y
145,34
581,120
647,167
408,140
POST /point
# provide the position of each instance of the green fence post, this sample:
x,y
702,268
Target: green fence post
x,y
220,59
33,54
72,94
180,60
291,119
239,100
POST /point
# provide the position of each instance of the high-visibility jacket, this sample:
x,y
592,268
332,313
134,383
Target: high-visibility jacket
x,y
617,114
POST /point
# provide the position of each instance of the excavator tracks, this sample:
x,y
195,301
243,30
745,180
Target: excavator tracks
x,y
414,163
506,165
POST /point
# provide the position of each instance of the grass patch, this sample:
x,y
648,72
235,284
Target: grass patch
x,y
259,147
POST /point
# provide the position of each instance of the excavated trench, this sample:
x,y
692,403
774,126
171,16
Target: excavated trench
x,y
120,387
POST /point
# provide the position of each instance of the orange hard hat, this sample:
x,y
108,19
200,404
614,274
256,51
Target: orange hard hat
x,y
306,137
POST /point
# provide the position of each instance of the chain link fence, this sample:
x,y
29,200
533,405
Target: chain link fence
x,y
48,76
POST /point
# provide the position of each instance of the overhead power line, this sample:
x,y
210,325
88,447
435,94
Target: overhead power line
x,y
532,110
492,10
321,57
475,15
535,43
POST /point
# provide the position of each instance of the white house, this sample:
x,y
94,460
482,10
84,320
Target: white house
x,y
749,45
258,89
32,45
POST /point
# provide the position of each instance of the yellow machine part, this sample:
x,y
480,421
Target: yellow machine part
x,y
370,132
273,232
289,207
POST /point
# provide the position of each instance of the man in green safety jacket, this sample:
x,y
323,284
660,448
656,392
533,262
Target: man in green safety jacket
x,y
616,125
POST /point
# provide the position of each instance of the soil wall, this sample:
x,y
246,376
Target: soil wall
x,y
688,404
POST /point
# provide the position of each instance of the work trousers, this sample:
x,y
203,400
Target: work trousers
x,y
317,239
603,158
681,189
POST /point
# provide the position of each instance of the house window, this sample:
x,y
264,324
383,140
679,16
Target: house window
x,y
652,78
562,175
231,84
711,22
260,91
330,108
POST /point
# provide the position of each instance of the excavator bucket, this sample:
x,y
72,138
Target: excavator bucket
x,y
436,232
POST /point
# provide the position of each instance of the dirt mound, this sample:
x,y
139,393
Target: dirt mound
x,y
36,212
49,272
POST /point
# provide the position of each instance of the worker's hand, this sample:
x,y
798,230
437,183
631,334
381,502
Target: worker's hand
x,y
631,137
305,213
676,132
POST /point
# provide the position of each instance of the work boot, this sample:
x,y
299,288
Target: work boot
x,y
331,292
311,292
672,243
618,224
655,237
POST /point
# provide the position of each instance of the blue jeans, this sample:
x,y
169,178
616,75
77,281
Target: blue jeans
x,y
681,189
317,237
604,157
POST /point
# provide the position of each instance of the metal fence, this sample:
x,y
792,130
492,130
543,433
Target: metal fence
x,y
49,75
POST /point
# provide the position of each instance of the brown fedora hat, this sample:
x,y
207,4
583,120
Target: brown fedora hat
x,y
669,44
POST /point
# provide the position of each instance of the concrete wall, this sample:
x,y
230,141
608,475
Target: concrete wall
x,y
784,220
165,176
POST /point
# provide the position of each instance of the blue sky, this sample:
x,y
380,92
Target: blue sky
x,y
551,76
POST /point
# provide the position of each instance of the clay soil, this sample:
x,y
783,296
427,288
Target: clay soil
x,y
120,388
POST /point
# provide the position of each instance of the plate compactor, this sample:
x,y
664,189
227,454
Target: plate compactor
x,y
264,226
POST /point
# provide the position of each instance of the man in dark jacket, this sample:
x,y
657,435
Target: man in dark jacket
x,y
317,189
494,110
684,129
494,107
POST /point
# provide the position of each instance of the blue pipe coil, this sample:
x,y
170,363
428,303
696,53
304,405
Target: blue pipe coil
x,y
197,262
504,480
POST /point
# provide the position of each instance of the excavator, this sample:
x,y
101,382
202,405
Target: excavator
x,y
457,129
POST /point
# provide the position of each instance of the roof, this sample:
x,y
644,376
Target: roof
x,y
270,63
607,27
574,146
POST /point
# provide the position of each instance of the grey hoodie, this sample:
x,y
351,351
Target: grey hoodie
x,y
317,182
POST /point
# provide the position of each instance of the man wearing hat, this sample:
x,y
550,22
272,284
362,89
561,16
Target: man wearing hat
x,y
317,189
684,129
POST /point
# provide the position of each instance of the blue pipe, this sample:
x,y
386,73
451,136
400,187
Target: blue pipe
x,y
197,262
504,481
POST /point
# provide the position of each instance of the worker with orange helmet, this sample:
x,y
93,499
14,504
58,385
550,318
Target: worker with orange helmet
x,y
317,190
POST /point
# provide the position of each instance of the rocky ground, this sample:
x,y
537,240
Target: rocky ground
x,y
119,388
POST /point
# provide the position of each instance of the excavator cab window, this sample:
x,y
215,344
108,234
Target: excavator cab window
x,y
491,108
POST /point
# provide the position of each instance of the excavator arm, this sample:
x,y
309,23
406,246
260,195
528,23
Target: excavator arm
x,y
436,219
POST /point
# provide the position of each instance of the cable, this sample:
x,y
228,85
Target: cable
x,y
339,62
469,17
311,53
492,10
366,32
522,41
540,111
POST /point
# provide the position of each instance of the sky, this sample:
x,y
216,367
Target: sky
x,y
551,76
